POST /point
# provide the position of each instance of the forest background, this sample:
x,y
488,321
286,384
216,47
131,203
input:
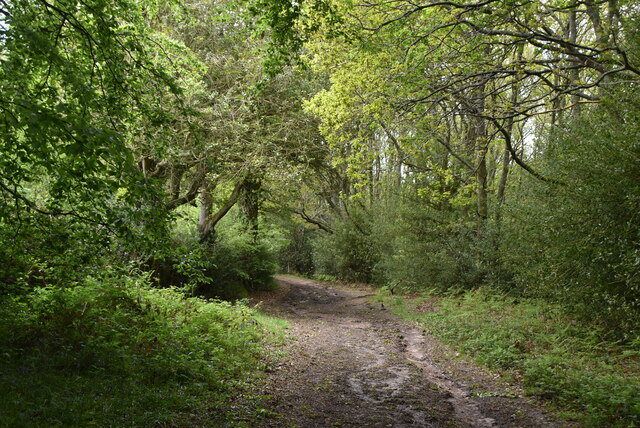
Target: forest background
x,y
153,151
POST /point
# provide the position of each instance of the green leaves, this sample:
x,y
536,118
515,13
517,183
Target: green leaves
x,y
80,82
111,345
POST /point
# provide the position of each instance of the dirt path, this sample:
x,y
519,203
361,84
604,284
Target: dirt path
x,y
354,364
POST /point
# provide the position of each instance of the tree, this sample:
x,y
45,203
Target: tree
x,y
248,130
443,98
82,84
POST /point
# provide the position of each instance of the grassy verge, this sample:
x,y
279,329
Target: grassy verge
x,y
588,379
113,351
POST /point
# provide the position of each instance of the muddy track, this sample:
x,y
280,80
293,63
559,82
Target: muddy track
x,y
353,363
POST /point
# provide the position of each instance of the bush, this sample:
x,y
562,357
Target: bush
x,y
352,252
427,248
235,262
578,241
238,265
114,351
403,240
30,258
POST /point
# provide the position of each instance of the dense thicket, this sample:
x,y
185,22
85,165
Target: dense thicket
x,y
577,241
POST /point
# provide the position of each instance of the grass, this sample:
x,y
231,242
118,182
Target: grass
x,y
556,358
113,351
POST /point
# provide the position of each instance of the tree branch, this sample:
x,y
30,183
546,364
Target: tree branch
x,y
514,154
306,217
209,226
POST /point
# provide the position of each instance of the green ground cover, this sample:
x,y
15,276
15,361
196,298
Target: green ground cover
x,y
112,351
587,378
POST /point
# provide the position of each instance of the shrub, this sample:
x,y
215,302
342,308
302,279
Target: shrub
x,y
235,262
352,251
114,351
578,241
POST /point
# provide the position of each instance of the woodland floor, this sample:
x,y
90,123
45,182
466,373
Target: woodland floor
x,y
351,363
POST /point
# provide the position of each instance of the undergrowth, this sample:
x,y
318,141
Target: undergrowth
x,y
112,351
556,358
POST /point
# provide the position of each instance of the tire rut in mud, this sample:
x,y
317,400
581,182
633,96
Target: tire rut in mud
x,y
352,363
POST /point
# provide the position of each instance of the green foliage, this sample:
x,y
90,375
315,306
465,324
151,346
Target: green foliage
x,y
288,27
83,86
427,247
404,240
239,265
324,277
29,258
76,82
280,18
297,255
236,262
579,242
556,357
351,252
114,351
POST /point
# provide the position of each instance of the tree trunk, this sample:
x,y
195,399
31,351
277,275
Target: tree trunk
x,y
205,213
502,184
481,147
575,73
481,172
175,181
250,202
207,222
